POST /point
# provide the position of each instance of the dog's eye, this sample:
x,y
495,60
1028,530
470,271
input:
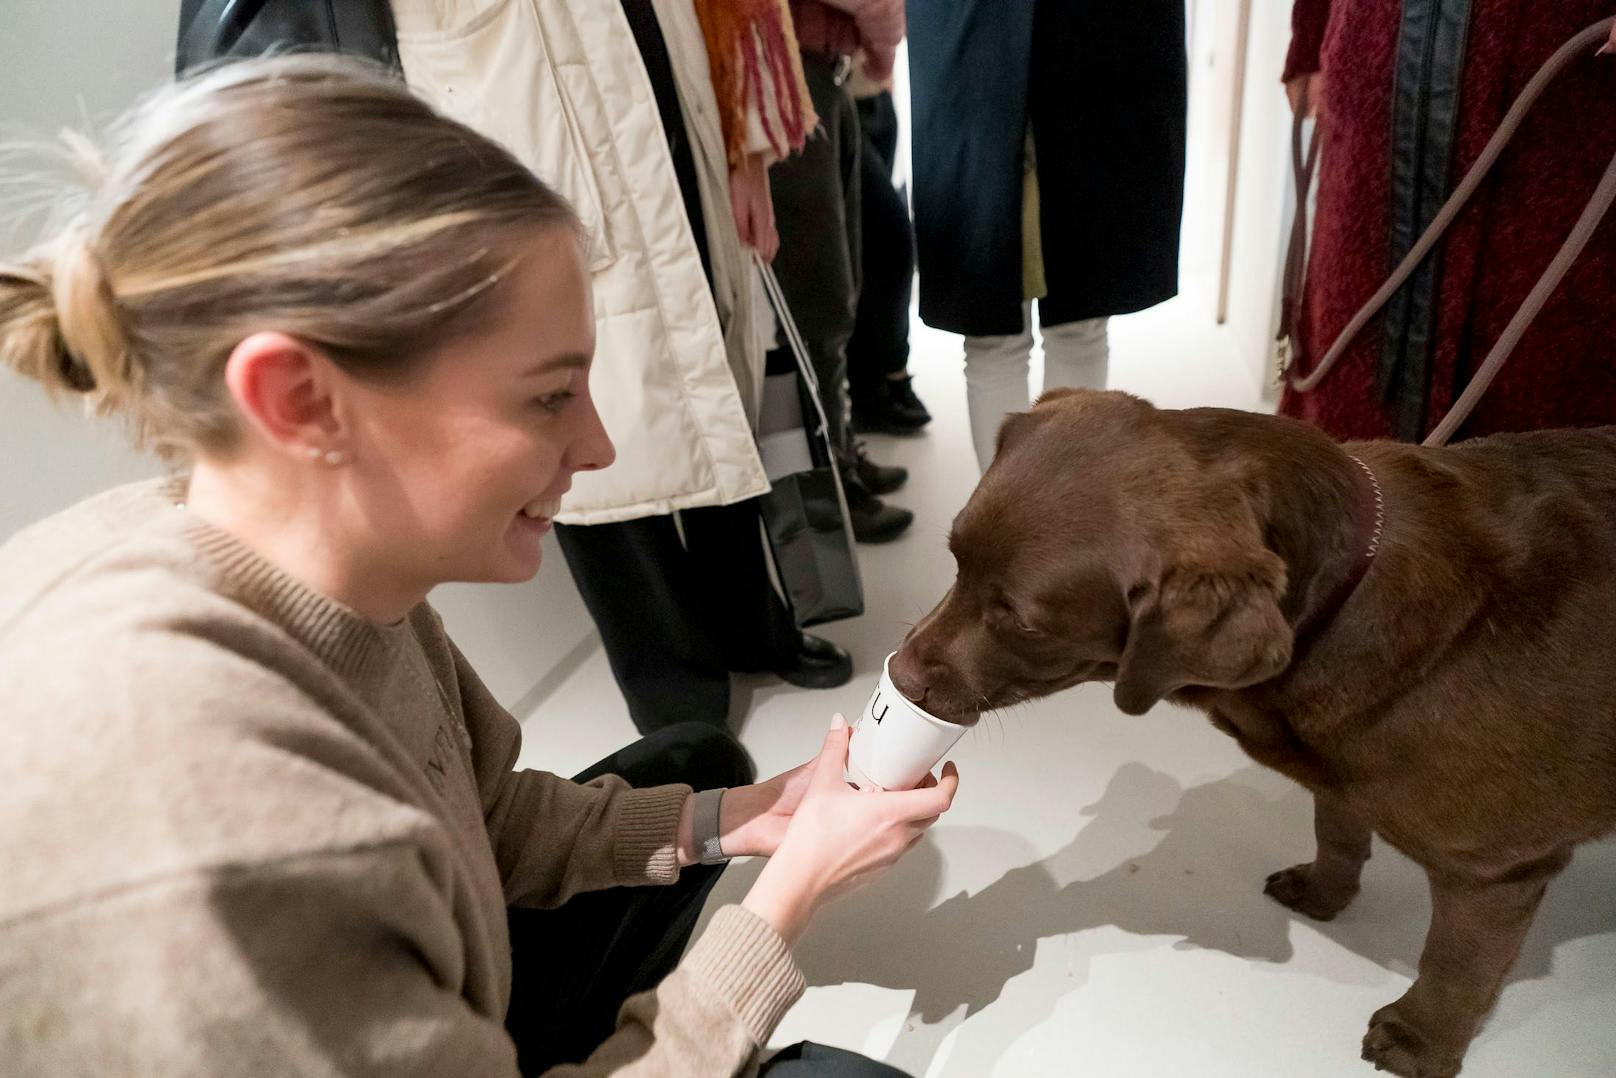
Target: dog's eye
x,y
1009,617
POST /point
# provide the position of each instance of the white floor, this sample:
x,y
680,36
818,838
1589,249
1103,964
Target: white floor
x,y
1092,905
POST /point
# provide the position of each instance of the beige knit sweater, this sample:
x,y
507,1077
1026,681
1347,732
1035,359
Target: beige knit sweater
x,y
244,831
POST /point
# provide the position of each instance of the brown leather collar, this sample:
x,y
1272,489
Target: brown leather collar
x,y
1371,523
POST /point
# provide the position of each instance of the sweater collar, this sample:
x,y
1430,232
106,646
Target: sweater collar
x,y
352,645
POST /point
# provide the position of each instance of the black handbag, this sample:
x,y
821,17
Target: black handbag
x,y
218,29
805,512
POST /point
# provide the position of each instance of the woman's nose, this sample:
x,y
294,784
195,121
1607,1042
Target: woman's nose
x,y
592,450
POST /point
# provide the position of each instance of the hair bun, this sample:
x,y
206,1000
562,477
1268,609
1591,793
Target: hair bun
x,y
59,324
31,339
97,351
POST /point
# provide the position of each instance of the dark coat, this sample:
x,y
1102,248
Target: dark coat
x,y
1103,85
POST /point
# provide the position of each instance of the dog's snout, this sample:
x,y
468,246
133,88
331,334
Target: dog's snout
x,y
907,671
919,673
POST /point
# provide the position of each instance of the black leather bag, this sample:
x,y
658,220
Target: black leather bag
x,y
805,513
219,29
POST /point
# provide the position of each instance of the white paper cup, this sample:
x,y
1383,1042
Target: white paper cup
x,y
895,743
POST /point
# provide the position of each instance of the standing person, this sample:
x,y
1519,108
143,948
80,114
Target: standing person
x,y
1408,94
817,203
881,390
680,604
1048,165
260,815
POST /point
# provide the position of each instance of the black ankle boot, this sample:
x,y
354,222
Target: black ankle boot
x,y
873,520
877,478
892,408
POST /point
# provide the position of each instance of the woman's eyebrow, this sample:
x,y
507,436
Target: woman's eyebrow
x,y
565,361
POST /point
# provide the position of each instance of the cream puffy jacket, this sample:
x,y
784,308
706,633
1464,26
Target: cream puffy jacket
x,y
560,83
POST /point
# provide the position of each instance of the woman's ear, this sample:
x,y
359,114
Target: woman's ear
x,y
283,389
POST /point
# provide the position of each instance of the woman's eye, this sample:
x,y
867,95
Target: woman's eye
x,y
554,402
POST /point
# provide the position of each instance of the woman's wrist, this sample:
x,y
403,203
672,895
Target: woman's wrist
x,y
742,819
784,899
685,841
746,826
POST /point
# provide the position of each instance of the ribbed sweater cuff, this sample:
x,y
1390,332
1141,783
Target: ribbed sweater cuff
x,y
646,850
745,963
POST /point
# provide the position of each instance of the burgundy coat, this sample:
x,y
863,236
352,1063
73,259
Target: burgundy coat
x,y
1564,371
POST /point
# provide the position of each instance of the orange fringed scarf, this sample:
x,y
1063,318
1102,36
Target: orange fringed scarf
x,y
752,51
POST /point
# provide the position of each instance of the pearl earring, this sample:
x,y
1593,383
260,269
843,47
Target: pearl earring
x,y
313,452
335,457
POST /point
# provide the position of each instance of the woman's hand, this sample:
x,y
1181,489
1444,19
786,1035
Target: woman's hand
x,y
752,820
753,207
1313,86
881,23
838,836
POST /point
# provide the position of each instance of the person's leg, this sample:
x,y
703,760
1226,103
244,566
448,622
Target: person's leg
x,y
753,627
995,384
882,129
635,580
878,352
694,753
817,205
878,119
573,967
809,1060
815,265
1076,354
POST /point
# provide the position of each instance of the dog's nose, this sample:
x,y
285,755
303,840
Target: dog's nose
x,y
906,674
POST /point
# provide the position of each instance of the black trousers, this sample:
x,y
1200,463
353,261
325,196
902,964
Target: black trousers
x,y
880,342
573,967
677,617
817,211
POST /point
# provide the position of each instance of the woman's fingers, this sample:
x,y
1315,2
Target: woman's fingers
x,y
924,802
831,763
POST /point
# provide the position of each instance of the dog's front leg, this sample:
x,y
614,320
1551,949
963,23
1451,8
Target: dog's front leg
x,y
1476,932
1323,887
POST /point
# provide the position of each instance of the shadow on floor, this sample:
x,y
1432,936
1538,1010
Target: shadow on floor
x,y
1201,882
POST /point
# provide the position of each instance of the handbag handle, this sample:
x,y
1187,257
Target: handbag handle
x,y
1302,168
777,300
1594,212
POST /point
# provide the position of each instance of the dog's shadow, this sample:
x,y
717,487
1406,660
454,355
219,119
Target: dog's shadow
x,y
1207,851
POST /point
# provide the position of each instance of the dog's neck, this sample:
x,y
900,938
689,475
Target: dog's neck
x,y
1369,521
1326,515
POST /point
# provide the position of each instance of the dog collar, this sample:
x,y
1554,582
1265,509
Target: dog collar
x,y
1371,525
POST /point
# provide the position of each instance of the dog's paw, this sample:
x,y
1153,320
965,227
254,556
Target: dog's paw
x,y
1393,1045
1298,888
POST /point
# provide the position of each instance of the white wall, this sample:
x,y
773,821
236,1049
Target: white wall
x,y
1263,200
61,64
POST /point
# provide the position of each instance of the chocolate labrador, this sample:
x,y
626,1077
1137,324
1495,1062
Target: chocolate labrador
x,y
1421,637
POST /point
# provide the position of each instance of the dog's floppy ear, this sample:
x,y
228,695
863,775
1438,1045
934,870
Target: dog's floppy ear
x,y
1016,426
1203,625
